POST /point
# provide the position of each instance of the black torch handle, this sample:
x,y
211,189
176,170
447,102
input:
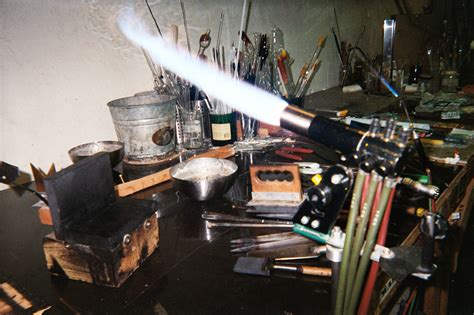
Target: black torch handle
x,y
334,134
321,129
341,137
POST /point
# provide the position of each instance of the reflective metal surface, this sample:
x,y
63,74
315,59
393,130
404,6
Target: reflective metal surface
x,y
145,123
204,178
191,271
113,148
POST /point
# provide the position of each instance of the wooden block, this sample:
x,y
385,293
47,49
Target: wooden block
x,y
259,185
109,267
44,214
18,298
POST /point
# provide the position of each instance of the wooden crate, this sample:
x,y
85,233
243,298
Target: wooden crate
x,y
98,238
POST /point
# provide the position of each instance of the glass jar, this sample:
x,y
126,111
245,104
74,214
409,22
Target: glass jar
x,y
192,129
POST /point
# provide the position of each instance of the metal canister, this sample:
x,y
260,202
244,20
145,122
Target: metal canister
x,y
145,123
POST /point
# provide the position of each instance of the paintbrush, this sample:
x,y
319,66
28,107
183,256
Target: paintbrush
x,y
263,267
304,73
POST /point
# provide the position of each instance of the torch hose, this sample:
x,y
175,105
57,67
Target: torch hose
x,y
369,244
374,268
360,233
351,221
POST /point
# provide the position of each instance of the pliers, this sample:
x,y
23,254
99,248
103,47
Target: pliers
x,y
286,152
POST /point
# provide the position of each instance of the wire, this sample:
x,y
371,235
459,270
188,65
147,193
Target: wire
x,y
30,190
374,268
412,306
410,300
153,16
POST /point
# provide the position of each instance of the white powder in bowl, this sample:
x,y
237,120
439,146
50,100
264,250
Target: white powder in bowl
x,y
203,169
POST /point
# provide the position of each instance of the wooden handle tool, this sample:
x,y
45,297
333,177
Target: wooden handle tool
x,y
136,185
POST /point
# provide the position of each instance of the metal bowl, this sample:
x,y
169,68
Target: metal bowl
x,y
114,148
204,178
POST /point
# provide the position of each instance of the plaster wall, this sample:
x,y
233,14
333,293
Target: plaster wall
x,y
61,61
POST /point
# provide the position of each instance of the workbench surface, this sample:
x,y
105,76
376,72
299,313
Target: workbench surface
x,y
191,272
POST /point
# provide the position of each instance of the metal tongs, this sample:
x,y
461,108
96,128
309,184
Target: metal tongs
x,y
280,246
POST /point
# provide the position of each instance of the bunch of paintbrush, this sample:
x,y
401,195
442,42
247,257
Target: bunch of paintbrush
x,y
309,69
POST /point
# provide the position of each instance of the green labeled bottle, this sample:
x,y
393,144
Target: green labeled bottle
x,y
223,129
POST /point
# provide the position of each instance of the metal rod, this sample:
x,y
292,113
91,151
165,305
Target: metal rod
x,y
266,237
153,16
185,26
211,225
360,233
335,268
219,33
389,183
273,244
351,221
233,218
239,47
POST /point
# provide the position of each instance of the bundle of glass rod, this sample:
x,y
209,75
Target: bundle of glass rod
x,y
372,194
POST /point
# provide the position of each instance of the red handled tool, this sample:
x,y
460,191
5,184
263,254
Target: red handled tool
x,y
287,152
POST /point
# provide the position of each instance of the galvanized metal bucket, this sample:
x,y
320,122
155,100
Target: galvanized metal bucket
x,y
145,123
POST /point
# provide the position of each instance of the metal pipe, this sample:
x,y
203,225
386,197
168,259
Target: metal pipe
x,y
351,221
334,255
335,268
360,233
389,183
211,225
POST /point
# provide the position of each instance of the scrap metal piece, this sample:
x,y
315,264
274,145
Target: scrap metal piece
x,y
404,262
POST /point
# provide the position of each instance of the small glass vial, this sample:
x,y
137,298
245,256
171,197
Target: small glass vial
x,y
192,129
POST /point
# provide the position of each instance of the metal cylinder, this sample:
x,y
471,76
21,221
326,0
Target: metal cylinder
x,y
296,120
201,107
334,255
145,123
